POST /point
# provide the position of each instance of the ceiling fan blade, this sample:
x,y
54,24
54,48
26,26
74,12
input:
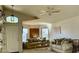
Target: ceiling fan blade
x,y
55,11
42,13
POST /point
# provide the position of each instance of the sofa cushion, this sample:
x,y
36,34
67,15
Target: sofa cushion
x,y
56,46
67,46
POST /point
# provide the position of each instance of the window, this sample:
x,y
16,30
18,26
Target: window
x,y
25,35
45,33
12,19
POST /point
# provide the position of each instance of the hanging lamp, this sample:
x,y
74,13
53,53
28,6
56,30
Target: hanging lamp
x,y
12,18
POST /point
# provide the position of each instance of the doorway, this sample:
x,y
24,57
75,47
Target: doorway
x,y
12,37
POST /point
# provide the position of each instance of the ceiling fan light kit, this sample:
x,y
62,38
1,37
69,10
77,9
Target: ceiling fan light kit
x,y
49,11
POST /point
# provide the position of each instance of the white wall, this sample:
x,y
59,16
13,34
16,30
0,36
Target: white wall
x,y
69,28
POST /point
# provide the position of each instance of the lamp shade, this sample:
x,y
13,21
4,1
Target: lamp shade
x,y
12,19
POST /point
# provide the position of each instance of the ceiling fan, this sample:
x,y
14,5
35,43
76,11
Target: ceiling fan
x,y
49,11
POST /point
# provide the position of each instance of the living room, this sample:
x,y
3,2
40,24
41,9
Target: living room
x,y
63,32
48,28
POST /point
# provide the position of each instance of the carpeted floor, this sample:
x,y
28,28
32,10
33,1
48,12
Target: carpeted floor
x,y
38,50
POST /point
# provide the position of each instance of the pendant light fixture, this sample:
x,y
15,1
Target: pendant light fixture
x,y
12,18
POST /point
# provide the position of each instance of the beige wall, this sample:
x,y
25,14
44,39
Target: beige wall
x,y
20,35
69,28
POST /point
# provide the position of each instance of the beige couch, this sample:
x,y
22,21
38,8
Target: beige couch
x,y
65,47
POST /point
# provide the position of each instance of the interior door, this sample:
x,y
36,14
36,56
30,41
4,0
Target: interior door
x,y
12,37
